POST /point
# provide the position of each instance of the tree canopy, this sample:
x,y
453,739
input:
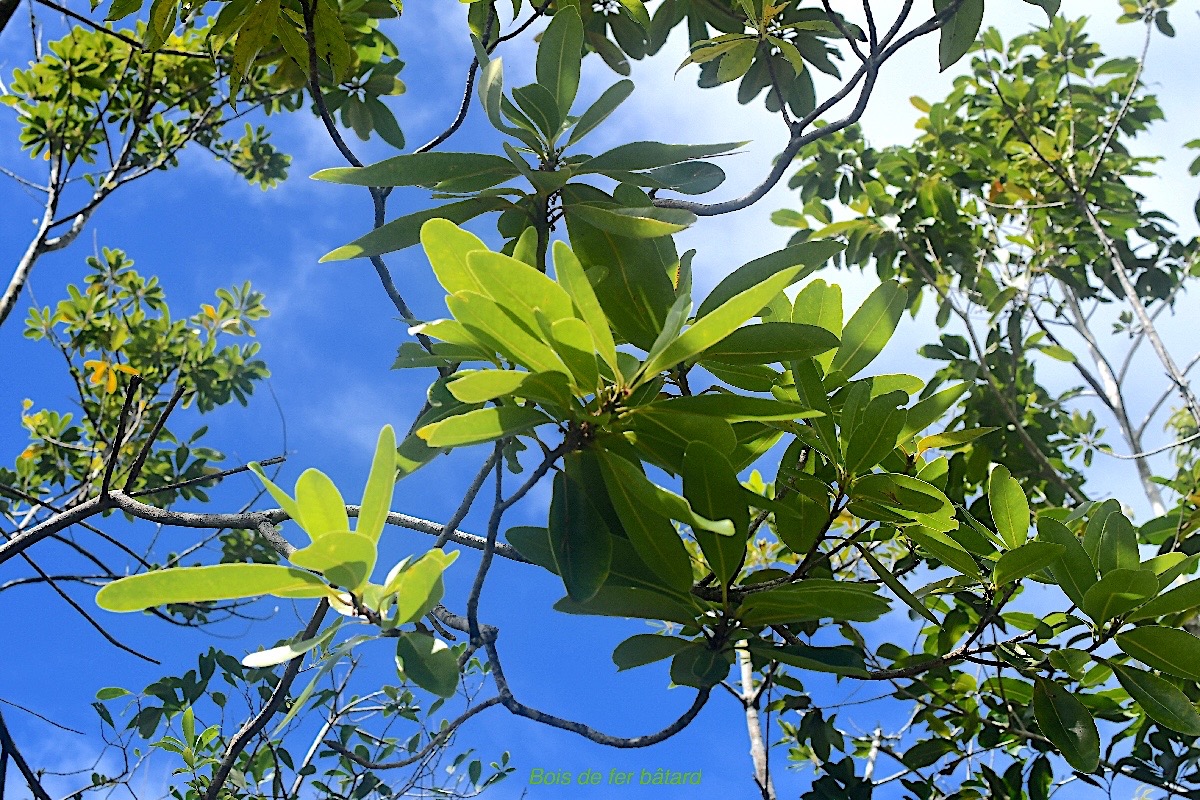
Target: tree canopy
x,y
734,474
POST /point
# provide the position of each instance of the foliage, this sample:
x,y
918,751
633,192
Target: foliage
x,y
734,469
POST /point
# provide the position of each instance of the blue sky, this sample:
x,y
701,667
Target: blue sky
x,y
333,334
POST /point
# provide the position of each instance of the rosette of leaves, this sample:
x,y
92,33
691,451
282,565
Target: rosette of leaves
x,y
537,117
336,565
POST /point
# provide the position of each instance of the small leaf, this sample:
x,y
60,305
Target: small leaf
x,y
278,655
599,111
418,586
1009,506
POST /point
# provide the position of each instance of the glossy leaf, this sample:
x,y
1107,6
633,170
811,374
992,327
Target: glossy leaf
x,y
712,487
813,599
418,586
869,329
1118,592
467,172
635,223
446,246
1067,723
770,342
720,322
1009,506
1171,650
1162,701
559,56
1073,571
320,503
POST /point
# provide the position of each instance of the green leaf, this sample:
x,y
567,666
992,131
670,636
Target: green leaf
x,y
928,411
472,386
1068,724
733,407
634,223
1117,547
811,600
447,246
810,256
898,588
1162,701
406,231
381,482
840,660
462,172
320,503
951,439
418,585
579,539
559,56
690,177
771,342
719,323
1049,6
820,304
624,601
1025,560
570,275
1073,571
875,435
711,486
646,648
959,32
1177,600
870,328
698,666
600,110
634,288
283,498
1171,650
254,35
501,331
650,532
481,425
1009,506
204,584
540,106
111,693
944,549
661,500
428,662
345,558
636,156
810,391
1117,592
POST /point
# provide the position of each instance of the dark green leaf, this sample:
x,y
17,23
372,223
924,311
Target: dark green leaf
x,y
771,342
646,648
810,600
713,489
1117,592
1171,650
559,56
959,32
1073,571
406,231
1067,723
428,662
465,172
1162,701
1026,560
808,255
698,666
579,539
